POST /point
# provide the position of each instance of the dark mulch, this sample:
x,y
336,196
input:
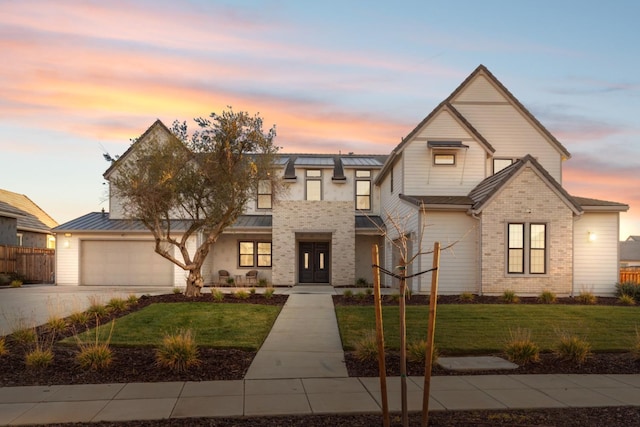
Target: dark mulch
x,y
138,365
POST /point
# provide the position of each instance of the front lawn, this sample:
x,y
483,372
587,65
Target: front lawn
x,y
484,328
240,326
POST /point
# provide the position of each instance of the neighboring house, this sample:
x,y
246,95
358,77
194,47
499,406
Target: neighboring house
x,y
485,173
23,223
630,252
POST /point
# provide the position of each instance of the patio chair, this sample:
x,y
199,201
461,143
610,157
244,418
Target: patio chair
x,y
252,277
223,277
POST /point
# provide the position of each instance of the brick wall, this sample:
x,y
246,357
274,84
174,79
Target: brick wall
x,y
527,199
326,220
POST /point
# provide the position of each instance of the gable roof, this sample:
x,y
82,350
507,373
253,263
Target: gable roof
x,y
484,192
447,105
30,216
630,250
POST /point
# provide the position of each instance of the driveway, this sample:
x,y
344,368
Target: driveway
x,y
33,305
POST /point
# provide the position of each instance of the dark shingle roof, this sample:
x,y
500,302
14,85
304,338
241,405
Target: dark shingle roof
x,y
630,250
29,215
461,201
595,204
253,221
369,222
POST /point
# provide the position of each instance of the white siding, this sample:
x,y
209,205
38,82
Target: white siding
x,y
67,256
363,256
596,266
480,90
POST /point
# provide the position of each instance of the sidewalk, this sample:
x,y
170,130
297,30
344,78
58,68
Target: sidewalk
x,y
144,401
300,370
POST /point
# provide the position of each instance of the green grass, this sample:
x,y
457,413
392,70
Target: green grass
x,y
484,328
243,326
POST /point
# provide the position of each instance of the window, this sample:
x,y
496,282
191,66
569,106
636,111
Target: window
x,y
499,164
527,248
444,159
264,194
314,184
363,190
19,239
391,179
254,254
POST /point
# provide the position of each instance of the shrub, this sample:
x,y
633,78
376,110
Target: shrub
x,y
96,307
252,291
362,282
509,296
360,295
348,293
366,348
178,352
368,291
25,335
241,294
628,288
16,283
268,293
79,318
625,299
547,297
56,324
96,355
217,295
177,291
573,348
520,349
38,358
417,352
3,347
132,299
117,304
585,297
466,297
263,283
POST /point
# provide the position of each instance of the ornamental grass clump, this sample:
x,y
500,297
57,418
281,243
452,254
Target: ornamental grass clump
x,y
16,283
96,355
572,348
547,297
117,304
38,358
241,294
520,349
585,297
625,299
178,352
132,300
3,347
96,308
56,324
417,352
25,335
628,288
268,293
466,297
79,318
348,293
509,296
366,348
217,295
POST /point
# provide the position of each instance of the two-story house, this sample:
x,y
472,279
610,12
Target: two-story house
x,y
479,171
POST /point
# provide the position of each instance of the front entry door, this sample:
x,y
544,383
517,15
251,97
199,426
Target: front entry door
x,y
313,263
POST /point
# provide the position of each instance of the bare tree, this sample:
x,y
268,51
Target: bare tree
x,y
196,185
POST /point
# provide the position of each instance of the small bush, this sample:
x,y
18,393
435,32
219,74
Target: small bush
x,y
585,297
132,299
268,293
520,349
625,299
96,355
25,335
38,358
368,291
362,282
360,295
628,288
79,318
3,347
56,324
241,294
466,297
178,352
16,283
252,291
348,293
177,291
263,283
547,297
117,304
366,348
217,295
573,348
417,352
96,307
509,296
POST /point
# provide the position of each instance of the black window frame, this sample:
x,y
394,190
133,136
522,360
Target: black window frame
x,y
255,254
363,179
529,246
441,155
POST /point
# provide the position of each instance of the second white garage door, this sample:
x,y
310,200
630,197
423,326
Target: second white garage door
x,y
123,262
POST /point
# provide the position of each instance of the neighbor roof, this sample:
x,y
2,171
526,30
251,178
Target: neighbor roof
x,y
630,250
29,215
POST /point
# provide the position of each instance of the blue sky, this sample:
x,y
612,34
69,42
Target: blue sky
x,y
82,77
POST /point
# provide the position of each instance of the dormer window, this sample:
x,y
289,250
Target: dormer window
x,y
444,159
444,152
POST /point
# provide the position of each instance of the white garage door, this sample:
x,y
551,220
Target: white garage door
x,y
119,262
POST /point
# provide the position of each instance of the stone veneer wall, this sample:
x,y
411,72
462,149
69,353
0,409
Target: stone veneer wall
x,y
324,217
527,192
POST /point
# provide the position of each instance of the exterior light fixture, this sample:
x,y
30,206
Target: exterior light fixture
x,y
591,236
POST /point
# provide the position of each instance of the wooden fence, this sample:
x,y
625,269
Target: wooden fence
x,y
630,274
35,265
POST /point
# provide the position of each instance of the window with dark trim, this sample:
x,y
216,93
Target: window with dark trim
x,y
254,253
444,159
313,184
264,194
527,248
363,190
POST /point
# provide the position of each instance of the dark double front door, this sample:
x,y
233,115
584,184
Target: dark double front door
x,y
313,262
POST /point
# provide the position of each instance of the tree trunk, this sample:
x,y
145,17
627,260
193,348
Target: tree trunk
x,y
195,282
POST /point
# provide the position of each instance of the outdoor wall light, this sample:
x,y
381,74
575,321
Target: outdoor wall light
x,y
591,236
67,234
67,243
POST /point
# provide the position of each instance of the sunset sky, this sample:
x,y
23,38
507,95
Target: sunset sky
x,y
80,78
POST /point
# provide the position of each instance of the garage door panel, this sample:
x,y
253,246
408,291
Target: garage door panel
x,y
123,262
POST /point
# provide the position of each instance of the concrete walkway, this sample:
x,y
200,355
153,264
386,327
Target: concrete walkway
x,y
300,370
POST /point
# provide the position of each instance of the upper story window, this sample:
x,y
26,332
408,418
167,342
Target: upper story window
x,y
499,164
363,190
313,184
527,248
444,159
264,194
